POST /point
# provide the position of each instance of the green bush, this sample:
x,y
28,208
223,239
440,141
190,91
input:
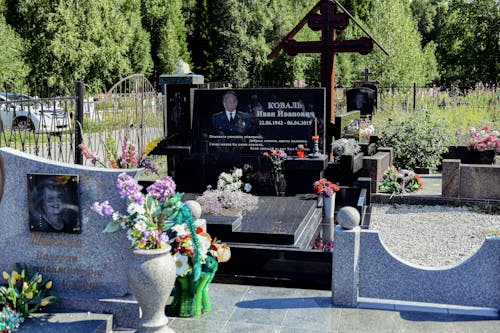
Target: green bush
x,y
418,140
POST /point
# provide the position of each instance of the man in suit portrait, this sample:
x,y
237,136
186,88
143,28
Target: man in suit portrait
x,y
231,121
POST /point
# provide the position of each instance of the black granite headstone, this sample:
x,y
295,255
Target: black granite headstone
x,y
362,99
346,122
259,120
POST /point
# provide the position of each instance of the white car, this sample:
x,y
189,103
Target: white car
x,y
22,112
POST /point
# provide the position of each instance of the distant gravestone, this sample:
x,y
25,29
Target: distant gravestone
x,y
88,262
347,125
363,99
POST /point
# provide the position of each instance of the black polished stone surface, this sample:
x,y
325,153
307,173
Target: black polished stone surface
x,y
276,221
301,173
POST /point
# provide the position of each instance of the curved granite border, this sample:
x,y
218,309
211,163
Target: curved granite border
x,y
473,282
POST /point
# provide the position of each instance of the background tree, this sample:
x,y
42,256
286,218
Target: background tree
x,y
13,70
468,46
97,41
164,20
391,22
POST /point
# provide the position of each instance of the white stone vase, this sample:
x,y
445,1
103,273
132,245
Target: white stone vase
x,y
328,223
329,206
151,278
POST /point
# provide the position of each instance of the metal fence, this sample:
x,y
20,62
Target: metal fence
x,y
53,127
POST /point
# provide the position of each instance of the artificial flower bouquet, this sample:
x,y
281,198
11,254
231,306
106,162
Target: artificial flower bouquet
x,y
398,182
26,292
325,188
159,219
366,129
277,158
484,139
9,319
230,197
344,147
128,159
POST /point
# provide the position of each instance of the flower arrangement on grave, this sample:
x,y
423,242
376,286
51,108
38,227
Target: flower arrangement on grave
x,y
345,147
277,157
9,319
399,181
484,139
159,219
128,159
25,293
231,195
325,188
366,129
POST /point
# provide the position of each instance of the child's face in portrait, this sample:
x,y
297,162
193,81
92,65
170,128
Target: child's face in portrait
x,y
52,202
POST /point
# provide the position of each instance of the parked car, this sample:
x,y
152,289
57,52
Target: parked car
x,y
22,112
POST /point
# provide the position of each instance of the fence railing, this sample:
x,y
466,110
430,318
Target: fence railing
x,y
53,127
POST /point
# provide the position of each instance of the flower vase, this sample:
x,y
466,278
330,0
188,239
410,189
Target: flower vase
x,y
151,277
328,224
280,183
191,297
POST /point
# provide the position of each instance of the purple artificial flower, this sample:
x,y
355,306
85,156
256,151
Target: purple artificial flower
x,y
138,198
146,164
162,189
97,208
327,191
162,238
103,208
107,209
129,188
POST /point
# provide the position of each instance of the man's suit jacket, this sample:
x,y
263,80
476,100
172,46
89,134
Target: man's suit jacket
x,y
240,125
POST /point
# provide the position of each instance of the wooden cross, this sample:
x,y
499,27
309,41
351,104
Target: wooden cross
x,y
329,21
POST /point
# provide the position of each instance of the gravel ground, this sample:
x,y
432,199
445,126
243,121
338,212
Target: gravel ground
x,y
432,236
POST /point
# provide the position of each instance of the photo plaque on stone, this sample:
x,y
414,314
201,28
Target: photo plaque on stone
x,y
53,203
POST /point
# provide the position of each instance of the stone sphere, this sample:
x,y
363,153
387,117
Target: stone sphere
x,y
348,217
195,208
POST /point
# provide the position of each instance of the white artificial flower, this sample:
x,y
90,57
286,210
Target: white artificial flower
x,y
181,264
140,225
134,207
201,223
226,177
237,173
181,230
115,216
205,244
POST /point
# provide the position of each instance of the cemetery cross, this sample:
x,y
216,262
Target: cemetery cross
x,y
329,21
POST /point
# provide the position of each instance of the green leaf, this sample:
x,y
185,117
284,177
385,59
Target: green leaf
x,y
112,227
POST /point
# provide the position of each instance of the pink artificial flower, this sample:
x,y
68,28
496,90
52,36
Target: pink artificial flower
x,y
485,128
480,146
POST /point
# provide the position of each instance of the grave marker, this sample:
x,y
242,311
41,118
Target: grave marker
x,y
90,262
329,21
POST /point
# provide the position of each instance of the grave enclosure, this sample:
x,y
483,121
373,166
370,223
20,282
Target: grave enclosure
x,y
280,238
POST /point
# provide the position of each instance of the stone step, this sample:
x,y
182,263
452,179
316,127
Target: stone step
x,y
72,322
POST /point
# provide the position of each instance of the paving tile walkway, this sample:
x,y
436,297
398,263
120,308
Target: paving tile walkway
x,y
238,308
